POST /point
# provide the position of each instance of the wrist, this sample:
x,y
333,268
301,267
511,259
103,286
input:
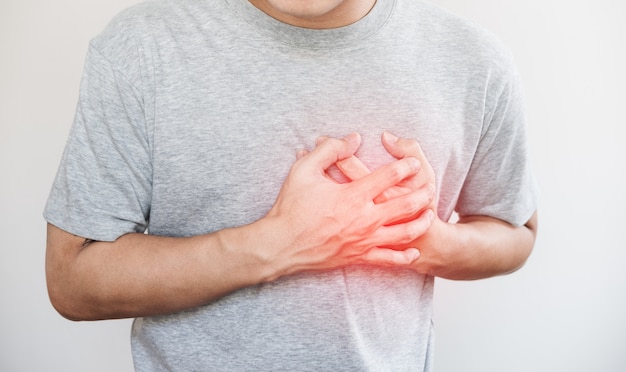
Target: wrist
x,y
437,252
251,248
476,247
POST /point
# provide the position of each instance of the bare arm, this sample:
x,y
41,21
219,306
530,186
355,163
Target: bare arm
x,y
140,275
315,224
474,248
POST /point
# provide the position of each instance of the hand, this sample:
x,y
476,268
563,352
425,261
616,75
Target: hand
x,y
322,224
476,247
430,242
400,148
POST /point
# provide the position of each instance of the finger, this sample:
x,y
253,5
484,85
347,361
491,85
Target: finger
x,y
402,189
406,206
390,257
332,150
300,154
387,176
402,147
402,233
353,168
330,173
319,140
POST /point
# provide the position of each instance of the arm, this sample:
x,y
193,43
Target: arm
x,y
315,224
475,247
141,275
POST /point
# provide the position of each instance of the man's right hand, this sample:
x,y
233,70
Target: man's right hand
x,y
316,224
320,224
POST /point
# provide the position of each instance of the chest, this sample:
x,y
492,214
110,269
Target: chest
x,y
226,130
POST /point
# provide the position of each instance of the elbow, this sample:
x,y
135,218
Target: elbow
x,y
76,300
521,259
74,306
64,302
65,287
64,308
527,243
68,298
532,227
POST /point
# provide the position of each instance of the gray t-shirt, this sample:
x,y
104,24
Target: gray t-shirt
x,y
189,118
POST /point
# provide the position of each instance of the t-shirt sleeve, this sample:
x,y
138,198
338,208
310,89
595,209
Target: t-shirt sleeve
x,y
500,182
103,186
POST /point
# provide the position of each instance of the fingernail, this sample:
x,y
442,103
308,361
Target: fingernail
x,y
320,140
390,137
353,137
300,154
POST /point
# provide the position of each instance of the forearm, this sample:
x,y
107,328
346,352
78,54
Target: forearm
x,y
315,224
478,247
141,275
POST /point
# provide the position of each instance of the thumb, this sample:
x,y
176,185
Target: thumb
x,y
332,150
402,147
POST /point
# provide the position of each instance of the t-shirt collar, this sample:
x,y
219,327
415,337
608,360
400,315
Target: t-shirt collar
x,y
313,38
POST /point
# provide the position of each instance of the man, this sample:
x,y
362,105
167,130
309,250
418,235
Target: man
x,y
189,117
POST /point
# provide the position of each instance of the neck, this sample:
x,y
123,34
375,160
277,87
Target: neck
x,y
321,14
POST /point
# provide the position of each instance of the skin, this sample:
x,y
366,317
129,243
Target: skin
x,y
475,247
317,14
316,224
384,218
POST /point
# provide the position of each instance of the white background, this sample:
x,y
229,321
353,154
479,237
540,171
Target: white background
x,y
564,311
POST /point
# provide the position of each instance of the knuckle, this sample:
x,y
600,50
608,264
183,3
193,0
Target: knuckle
x,y
332,142
428,190
432,192
414,230
415,202
397,172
